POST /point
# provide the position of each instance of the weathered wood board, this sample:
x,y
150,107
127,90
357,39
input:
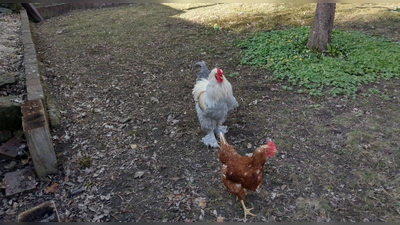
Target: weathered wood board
x,y
45,212
9,150
37,134
19,181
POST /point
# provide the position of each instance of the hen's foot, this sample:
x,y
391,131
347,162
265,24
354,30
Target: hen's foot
x,y
210,140
246,210
223,129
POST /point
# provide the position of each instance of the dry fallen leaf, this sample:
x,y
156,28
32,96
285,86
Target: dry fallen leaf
x,y
133,146
25,161
3,184
175,178
52,188
220,219
201,202
169,196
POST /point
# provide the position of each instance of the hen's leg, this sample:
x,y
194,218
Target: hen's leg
x,y
210,140
246,210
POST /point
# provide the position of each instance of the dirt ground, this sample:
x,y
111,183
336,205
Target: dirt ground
x,y
128,138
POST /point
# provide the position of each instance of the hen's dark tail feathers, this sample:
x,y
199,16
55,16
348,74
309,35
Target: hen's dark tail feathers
x,y
222,138
204,71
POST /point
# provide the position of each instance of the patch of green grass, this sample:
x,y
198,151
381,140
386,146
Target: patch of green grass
x,y
85,162
353,59
347,120
308,208
368,176
132,133
356,137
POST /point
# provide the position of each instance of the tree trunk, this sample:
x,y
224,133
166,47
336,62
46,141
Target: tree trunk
x,y
322,26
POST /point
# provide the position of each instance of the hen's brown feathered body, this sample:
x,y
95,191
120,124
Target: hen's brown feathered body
x,y
241,173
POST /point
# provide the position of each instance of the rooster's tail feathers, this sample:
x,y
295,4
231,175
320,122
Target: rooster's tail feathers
x,y
204,71
201,63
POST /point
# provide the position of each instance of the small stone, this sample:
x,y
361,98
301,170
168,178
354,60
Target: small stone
x,y
153,99
5,10
138,174
273,195
125,120
11,165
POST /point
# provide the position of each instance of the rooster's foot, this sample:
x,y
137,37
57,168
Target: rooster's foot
x,y
210,140
246,210
223,129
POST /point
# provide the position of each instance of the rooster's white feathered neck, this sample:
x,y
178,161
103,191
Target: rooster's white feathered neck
x,y
218,90
216,72
211,90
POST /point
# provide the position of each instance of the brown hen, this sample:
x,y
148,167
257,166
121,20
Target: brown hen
x,y
241,173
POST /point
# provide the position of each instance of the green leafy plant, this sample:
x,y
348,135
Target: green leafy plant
x,y
373,91
233,75
332,50
216,27
361,59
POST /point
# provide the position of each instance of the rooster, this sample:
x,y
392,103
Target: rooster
x,y
214,99
242,173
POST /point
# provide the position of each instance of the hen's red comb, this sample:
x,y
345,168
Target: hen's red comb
x,y
271,144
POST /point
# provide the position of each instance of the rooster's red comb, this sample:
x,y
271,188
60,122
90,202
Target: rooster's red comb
x,y
219,71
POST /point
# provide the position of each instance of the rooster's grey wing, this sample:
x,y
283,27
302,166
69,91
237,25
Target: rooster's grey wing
x,y
218,112
231,102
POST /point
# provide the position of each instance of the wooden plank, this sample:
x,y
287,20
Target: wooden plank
x,y
45,212
19,181
37,134
32,11
9,150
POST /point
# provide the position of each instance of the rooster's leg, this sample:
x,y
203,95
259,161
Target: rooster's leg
x,y
210,140
222,129
246,210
